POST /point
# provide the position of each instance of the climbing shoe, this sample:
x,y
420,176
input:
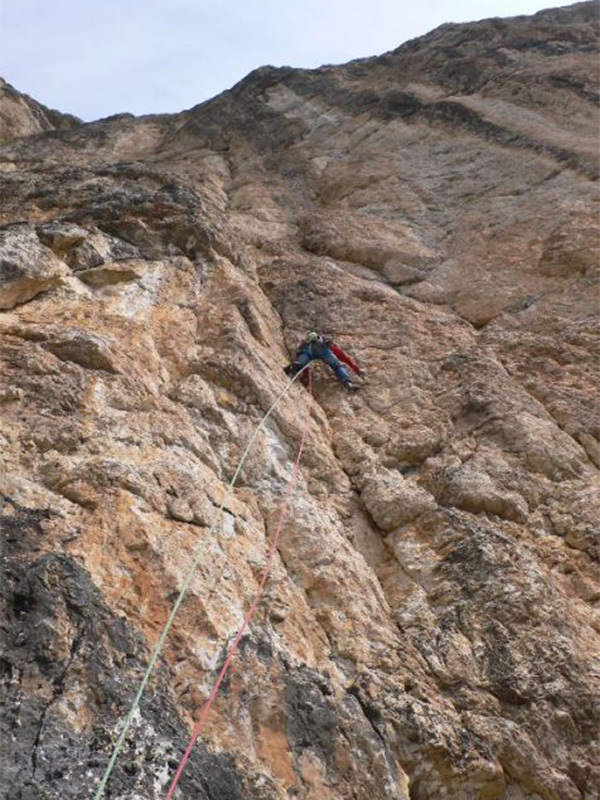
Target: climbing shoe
x,y
352,386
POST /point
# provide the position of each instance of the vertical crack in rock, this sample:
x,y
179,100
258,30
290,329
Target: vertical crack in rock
x,y
58,686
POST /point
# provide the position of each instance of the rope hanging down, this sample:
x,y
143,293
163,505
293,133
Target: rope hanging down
x,y
257,597
184,589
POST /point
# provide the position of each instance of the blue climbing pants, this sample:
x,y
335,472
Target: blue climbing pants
x,y
319,351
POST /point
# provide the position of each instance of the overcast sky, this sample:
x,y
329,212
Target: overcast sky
x,y
103,57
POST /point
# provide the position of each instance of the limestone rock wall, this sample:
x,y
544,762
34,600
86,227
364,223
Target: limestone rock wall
x,y
430,626
21,115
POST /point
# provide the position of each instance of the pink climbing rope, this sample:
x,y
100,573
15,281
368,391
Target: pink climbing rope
x,y
257,597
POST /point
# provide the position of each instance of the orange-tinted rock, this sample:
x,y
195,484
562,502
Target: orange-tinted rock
x,y
429,625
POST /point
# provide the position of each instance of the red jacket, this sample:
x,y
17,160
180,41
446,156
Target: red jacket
x,y
344,357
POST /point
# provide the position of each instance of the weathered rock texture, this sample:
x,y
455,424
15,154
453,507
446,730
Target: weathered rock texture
x,y
21,115
428,630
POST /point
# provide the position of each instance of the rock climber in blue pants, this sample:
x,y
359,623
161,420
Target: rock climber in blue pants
x,y
317,347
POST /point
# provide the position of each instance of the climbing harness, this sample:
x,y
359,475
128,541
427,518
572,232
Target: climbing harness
x,y
253,606
184,589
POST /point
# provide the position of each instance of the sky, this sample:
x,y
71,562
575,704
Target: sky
x,y
94,59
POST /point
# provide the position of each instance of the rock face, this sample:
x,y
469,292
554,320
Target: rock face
x,y
21,115
429,627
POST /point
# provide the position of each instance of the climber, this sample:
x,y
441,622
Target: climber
x,y
317,347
